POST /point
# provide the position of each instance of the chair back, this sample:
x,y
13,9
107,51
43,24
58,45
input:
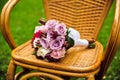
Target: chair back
x,y
87,16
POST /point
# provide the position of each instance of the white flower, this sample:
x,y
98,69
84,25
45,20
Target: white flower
x,y
42,51
36,42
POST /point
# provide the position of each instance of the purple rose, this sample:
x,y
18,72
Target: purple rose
x,y
44,42
51,35
61,29
61,39
56,44
50,24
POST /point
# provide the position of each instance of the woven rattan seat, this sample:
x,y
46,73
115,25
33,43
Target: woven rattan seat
x,y
87,17
77,59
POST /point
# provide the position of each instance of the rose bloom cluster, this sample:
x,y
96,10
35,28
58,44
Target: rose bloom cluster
x,y
52,39
49,40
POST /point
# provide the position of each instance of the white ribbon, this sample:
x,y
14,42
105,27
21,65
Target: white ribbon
x,y
75,35
81,42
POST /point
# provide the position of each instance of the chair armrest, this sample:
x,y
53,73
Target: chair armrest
x,y
5,28
114,40
113,43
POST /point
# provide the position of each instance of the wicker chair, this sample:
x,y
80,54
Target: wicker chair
x,y
87,16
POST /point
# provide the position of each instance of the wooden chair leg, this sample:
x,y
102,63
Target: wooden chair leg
x,y
91,77
11,71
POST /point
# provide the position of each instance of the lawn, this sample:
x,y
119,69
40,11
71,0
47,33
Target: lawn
x,y
24,18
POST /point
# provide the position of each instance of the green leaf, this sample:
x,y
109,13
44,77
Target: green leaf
x,y
91,46
70,42
68,31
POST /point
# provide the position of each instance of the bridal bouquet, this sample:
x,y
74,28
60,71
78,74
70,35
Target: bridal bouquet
x,y
52,39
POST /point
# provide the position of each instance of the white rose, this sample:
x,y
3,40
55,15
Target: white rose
x,y
42,51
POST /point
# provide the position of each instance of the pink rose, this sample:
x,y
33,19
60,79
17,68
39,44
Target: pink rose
x,y
50,24
56,54
41,28
44,42
56,44
61,29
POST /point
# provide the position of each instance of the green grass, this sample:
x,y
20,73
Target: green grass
x,y
2,2
24,18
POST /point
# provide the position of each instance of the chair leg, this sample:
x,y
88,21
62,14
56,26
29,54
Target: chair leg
x,y
91,77
11,71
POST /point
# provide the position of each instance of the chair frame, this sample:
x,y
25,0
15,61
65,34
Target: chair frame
x,y
109,53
